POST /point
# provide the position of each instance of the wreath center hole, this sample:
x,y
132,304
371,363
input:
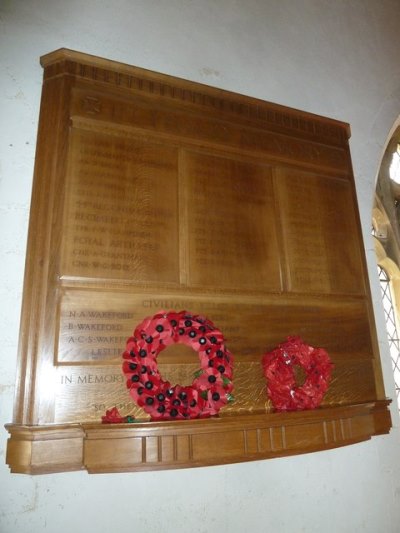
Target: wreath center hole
x,y
299,375
177,364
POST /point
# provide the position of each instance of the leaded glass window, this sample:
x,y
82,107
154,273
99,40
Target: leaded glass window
x,y
391,328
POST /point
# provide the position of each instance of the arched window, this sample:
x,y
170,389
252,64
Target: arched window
x,y
386,232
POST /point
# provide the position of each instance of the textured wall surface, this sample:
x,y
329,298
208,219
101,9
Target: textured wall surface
x,y
338,59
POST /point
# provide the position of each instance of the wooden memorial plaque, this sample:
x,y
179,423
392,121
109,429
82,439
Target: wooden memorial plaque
x,y
152,193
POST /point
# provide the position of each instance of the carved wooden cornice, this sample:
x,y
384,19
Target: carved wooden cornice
x,y
270,116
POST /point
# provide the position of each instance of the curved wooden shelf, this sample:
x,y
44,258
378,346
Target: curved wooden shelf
x,y
103,448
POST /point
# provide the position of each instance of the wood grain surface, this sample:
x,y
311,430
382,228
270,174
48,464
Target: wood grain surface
x,y
154,193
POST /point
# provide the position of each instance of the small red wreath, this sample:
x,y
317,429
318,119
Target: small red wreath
x,y
281,381
212,386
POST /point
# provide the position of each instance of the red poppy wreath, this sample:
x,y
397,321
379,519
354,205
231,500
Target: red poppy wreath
x,y
282,388
212,386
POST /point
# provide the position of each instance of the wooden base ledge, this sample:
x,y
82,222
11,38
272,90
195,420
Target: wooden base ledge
x,y
100,448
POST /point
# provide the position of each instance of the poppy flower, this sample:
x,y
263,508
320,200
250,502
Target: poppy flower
x,y
112,416
282,388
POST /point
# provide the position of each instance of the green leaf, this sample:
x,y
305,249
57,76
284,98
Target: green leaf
x,y
230,397
198,373
226,381
204,394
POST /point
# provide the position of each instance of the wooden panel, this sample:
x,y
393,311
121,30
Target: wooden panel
x,y
221,441
121,211
194,443
93,329
155,193
84,393
115,111
232,240
41,450
93,325
320,234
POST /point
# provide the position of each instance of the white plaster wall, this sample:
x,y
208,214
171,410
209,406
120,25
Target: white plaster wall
x,y
336,58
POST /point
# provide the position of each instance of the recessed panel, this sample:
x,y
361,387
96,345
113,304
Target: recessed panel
x,y
232,240
320,234
94,325
120,218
